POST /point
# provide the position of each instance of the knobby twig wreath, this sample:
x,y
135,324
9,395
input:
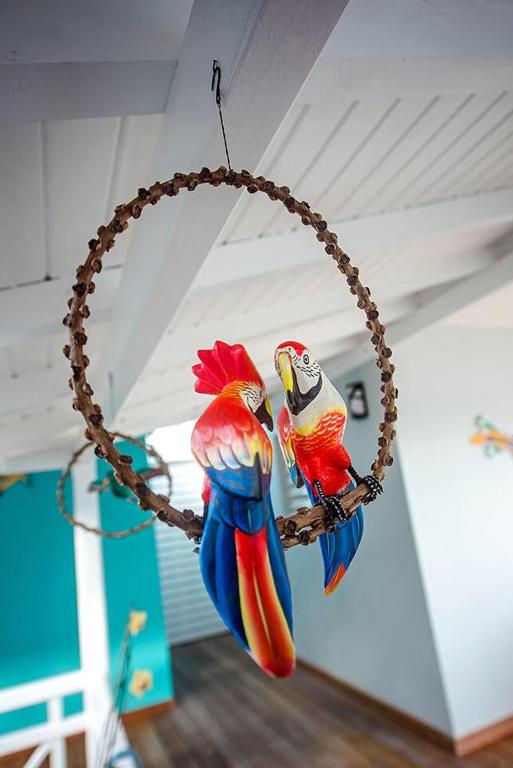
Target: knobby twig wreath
x,y
149,450
307,523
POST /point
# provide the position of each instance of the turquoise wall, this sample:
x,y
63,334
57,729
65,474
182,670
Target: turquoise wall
x,y
132,581
39,633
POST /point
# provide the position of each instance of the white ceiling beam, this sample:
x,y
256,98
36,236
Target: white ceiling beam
x,y
37,461
35,455
337,79
30,92
30,330
328,326
418,28
39,431
242,260
31,312
444,304
323,317
29,391
266,51
503,248
414,47
464,292
71,30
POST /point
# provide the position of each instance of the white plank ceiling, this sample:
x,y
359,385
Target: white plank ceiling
x,y
360,157
403,140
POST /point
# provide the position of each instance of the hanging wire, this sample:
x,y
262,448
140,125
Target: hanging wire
x,y
216,84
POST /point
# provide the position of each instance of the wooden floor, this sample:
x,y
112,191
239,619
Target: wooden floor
x,y
229,714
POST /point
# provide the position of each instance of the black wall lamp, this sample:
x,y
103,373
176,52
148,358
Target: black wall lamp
x,y
357,400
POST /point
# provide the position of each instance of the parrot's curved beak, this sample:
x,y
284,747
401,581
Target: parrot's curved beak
x,y
285,369
264,414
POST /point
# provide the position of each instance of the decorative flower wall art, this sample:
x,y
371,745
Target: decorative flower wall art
x,y
142,681
490,438
136,622
8,481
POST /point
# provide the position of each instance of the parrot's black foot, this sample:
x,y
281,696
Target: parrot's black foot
x,y
374,486
372,483
333,507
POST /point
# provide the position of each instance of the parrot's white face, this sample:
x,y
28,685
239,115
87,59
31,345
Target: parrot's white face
x,y
256,400
300,374
308,393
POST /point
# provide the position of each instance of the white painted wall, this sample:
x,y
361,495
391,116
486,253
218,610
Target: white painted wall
x,y
424,618
374,632
461,506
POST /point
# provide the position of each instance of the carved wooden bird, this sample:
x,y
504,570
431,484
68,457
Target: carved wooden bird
x,y
311,428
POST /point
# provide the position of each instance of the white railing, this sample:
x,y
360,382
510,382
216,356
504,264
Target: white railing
x,y
93,677
48,737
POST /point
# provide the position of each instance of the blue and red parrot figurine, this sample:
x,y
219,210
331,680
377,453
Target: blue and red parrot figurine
x,y
311,428
241,555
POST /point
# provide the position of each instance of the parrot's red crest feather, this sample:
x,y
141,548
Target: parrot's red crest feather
x,y
222,365
299,348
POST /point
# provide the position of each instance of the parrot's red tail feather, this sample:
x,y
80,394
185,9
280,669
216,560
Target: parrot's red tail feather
x,y
335,580
266,627
222,365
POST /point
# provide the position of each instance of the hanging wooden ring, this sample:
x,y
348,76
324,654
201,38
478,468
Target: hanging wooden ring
x,y
149,450
307,524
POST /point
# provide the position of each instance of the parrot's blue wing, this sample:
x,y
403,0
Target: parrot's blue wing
x,y
218,563
339,546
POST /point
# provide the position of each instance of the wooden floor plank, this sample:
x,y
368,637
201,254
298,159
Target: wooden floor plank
x,y
228,714
225,704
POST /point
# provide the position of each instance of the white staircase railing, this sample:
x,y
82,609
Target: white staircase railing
x,y
93,677
49,738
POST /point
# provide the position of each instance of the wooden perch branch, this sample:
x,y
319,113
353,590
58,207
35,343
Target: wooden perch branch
x,y
305,525
310,522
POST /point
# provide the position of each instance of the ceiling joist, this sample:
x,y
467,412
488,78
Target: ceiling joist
x,y
445,303
373,233
77,90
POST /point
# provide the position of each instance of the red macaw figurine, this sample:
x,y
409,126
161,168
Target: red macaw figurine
x,y
241,555
311,427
